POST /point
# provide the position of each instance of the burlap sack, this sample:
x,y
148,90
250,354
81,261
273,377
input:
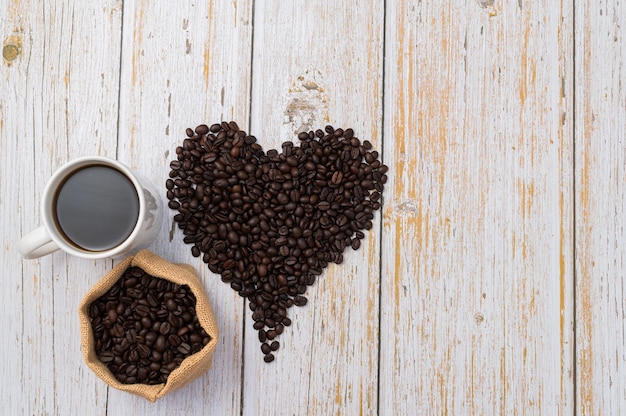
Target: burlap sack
x,y
193,366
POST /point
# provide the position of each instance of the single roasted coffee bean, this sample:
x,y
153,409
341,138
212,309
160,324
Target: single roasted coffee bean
x,y
174,340
201,129
184,348
299,300
144,315
269,223
106,356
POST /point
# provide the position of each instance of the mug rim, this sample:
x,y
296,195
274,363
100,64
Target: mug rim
x,y
47,211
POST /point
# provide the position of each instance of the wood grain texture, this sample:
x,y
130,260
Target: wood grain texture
x,y
316,64
492,282
477,227
58,102
600,201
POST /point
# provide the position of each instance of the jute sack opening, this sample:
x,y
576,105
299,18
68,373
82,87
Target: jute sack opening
x,y
193,366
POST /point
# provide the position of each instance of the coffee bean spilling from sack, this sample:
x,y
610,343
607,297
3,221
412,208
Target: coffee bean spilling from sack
x,y
144,327
269,223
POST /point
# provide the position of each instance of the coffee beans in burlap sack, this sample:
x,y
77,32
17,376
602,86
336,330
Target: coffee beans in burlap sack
x,y
135,355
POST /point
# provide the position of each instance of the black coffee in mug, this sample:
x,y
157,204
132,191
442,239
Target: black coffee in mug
x,y
96,207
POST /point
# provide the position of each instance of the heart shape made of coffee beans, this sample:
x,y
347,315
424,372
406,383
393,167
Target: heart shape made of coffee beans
x,y
270,222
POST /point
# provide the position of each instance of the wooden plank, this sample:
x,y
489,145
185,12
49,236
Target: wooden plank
x,y
316,64
182,66
476,311
59,78
600,201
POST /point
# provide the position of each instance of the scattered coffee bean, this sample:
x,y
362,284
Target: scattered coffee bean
x,y
299,300
270,222
135,327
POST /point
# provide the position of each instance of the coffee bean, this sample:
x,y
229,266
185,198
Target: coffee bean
x,y
323,206
233,237
299,301
184,348
165,328
171,305
106,357
202,129
143,350
142,375
337,178
136,347
167,358
160,343
151,337
174,340
270,222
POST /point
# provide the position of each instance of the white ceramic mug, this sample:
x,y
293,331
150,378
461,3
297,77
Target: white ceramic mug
x,y
50,237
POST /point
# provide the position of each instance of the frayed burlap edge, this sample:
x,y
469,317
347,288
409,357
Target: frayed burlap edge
x,y
193,366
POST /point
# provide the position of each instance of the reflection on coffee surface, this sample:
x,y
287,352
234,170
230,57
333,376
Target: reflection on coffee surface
x,y
97,208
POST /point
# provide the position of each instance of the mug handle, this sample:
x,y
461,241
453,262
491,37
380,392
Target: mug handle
x,y
36,244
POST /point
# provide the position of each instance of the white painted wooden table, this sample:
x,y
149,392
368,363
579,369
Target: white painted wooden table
x,y
493,281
